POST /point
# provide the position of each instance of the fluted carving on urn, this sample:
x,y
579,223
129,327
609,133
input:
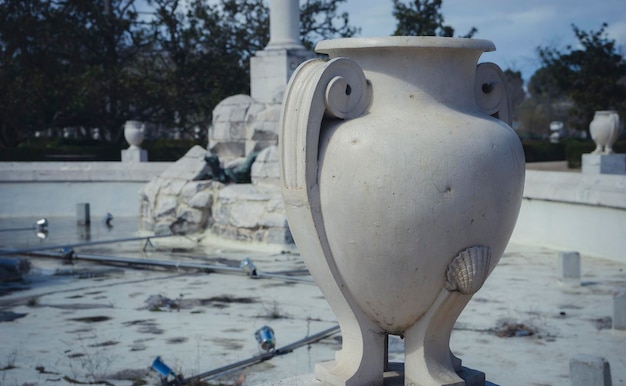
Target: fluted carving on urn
x,y
336,89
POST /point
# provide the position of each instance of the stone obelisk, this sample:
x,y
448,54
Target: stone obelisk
x,y
271,68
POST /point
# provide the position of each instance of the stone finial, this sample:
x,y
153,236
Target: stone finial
x,y
570,267
589,370
619,309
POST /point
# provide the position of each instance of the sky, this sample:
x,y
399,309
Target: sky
x,y
517,27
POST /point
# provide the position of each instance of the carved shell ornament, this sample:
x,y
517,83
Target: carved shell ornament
x,y
468,270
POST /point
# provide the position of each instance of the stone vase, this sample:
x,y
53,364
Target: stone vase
x,y
402,183
134,132
604,130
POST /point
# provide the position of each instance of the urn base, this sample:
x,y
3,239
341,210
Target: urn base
x,y
134,154
394,375
604,164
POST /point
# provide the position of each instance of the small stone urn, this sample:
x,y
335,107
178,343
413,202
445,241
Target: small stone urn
x,y
134,133
604,130
402,183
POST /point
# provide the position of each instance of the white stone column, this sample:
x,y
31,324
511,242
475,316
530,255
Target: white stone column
x,y
284,25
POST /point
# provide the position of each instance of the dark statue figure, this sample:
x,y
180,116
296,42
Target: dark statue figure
x,y
239,174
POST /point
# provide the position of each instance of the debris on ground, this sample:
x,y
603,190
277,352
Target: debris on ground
x,y
509,329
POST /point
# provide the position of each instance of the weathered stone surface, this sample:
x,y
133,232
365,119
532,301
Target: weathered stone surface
x,y
162,228
202,200
246,214
233,108
228,150
147,225
150,190
190,215
241,126
181,201
255,109
234,163
178,200
263,132
221,215
192,188
276,205
273,220
279,236
227,134
171,187
265,169
265,125
246,192
165,207
190,167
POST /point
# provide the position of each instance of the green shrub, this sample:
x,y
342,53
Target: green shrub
x,y
543,151
61,149
575,150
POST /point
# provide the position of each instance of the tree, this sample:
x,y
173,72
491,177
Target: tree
x,y
202,55
422,18
591,76
320,20
546,103
96,64
189,66
62,64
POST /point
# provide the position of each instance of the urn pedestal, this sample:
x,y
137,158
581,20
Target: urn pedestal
x,y
402,183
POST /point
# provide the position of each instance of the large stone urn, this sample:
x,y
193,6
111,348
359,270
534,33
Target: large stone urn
x,y
604,130
402,182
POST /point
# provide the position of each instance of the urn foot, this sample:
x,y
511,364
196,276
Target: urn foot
x,y
362,359
428,360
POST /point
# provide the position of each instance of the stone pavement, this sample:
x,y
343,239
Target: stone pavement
x,y
91,322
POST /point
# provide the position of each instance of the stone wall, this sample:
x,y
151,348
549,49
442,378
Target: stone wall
x,y
574,211
52,189
241,126
182,200
250,213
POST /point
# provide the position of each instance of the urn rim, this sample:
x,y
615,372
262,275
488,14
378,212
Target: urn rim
x,y
327,46
133,124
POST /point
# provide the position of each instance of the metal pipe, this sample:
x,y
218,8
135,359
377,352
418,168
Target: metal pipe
x,y
5,251
18,229
171,264
258,358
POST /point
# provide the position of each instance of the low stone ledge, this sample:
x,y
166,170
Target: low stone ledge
x,y
80,171
576,188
